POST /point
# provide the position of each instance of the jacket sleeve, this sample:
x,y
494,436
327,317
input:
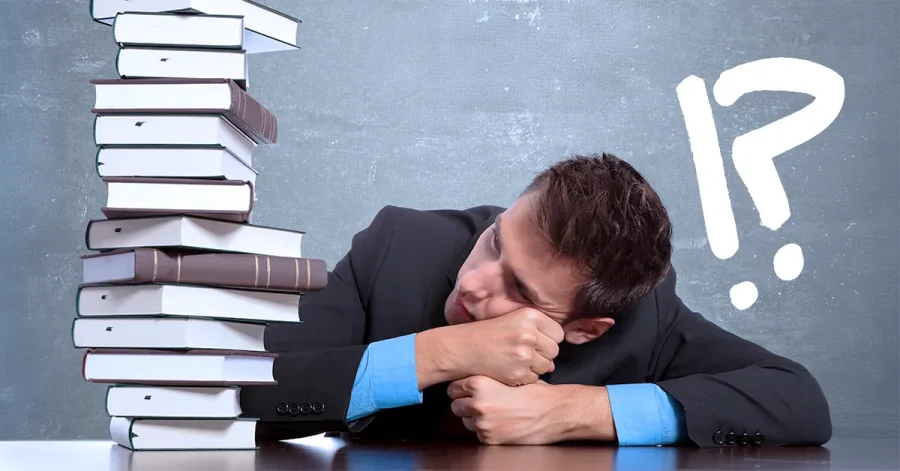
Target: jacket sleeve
x,y
319,358
734,392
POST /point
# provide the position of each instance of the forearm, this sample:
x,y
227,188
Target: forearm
x,y
581,413
436,361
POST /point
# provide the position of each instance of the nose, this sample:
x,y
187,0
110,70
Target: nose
x,y
478,287
472,287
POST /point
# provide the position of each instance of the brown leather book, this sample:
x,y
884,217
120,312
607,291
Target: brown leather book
x,y
150,196
176,367
187,96
213,269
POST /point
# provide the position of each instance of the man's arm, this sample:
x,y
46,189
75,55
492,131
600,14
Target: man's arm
x,y
711,387
732,390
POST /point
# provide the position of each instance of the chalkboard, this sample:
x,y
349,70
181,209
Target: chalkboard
x,y
454,103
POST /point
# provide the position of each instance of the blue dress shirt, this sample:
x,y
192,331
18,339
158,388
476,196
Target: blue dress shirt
x,y
642,413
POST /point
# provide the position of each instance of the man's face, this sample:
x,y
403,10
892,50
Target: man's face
x,y
510,268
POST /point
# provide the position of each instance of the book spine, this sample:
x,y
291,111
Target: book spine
x,y
251,113
230,270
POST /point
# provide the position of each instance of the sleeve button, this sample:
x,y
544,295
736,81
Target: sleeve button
x,y
718,437
731,438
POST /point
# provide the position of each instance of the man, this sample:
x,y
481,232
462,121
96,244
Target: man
x,y
553,320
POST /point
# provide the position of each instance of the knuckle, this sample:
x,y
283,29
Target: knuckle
x,y
526,337
476,382
523,354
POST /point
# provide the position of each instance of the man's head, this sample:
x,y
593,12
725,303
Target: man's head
x,y
586,238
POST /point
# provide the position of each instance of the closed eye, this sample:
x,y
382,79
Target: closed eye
x,y
521,289
495,239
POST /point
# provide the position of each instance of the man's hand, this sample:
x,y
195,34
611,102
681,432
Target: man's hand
x,y
514,349
534,414
500,414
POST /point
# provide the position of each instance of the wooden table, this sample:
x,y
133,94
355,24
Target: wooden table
x,y
335,454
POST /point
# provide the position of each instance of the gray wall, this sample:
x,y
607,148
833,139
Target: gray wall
x,y
452,103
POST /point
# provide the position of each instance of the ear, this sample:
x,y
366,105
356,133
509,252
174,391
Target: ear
x,y
585,330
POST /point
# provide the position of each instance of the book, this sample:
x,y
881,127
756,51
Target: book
x,y
250,271
178,368
194,434
267,30
180,96
170,300
156,62
167,333
160,130
161,29
218,199
214,163
134,400
125,459
180,231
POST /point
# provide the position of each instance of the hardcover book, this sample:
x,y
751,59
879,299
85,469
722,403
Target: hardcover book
x,y
235,270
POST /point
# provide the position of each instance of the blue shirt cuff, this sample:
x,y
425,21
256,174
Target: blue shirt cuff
x,y
386,377
644,415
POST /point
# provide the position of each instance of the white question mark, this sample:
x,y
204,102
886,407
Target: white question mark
x,y
753,152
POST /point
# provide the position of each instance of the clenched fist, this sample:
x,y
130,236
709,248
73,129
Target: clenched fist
x,y
514,348
500,414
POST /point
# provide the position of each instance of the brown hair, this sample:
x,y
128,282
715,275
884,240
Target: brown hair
x,y
600,212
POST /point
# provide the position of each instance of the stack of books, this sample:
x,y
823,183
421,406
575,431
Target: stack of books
x,y
179,286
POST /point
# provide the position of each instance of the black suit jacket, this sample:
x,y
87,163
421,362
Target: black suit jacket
x,y
394,281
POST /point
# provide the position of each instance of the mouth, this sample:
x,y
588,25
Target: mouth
x,y
462,312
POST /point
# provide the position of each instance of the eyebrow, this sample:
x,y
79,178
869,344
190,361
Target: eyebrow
x,y
526,289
